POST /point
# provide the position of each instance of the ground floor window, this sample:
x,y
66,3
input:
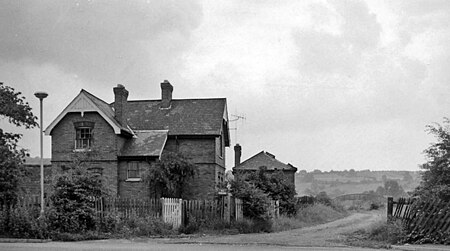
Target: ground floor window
x,y
133,173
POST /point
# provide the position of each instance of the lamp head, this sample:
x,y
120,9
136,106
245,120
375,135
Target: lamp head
x,y
40,95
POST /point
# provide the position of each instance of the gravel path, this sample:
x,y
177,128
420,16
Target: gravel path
x,y
329,234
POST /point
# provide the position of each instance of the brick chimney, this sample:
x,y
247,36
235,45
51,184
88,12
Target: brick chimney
x,y
120,102
237,154
166,94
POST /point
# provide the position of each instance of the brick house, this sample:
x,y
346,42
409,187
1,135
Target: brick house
x,y
264,160
131,135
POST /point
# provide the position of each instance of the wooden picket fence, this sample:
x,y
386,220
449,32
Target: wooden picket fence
x,y
127,207
172,210
30,203
203,209
421,218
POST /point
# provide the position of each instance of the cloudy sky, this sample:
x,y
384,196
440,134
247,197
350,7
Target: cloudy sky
x,y
328,85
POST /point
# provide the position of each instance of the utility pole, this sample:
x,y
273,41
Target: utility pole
x,y
41,96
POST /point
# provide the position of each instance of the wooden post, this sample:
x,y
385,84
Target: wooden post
x,y
390,207
226,208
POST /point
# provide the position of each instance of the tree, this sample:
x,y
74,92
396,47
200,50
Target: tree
x,y
436,175
170,175
254,200
272,185
18,112
392,188
74,189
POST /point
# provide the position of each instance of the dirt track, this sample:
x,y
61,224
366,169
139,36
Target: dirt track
x,y
326,235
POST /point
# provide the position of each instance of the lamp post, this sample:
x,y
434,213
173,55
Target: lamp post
x,y
41,96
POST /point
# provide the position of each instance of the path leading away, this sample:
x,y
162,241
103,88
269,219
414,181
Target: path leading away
x,y
330,234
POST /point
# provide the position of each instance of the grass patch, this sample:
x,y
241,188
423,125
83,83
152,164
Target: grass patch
x,y
378,235
308,216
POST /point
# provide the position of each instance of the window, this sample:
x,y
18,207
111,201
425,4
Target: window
x,y
83,138
83,134
133,171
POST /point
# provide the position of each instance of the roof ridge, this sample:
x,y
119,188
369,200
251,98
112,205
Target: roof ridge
x,y
99,99
183,99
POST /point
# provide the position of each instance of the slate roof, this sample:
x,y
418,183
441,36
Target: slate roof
x,y
145,143
264,159
184,117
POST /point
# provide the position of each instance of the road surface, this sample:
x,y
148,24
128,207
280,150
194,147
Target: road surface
x,y
325,237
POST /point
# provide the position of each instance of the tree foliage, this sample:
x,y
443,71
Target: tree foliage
x,y
251,186
18,112
170,175
74,189
436,175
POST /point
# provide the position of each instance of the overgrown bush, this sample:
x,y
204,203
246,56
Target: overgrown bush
x,y
380,234
114,224
20,222
256,189
73,196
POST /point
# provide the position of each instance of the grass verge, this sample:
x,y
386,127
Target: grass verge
x,y
378,235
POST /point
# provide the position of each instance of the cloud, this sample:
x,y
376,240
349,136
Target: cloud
x,y
99,40
337,51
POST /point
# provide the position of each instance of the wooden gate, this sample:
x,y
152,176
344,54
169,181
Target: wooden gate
x,y
171,211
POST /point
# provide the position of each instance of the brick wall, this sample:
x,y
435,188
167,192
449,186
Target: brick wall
x,y
132,189
63,137
31,183
104,144
203,153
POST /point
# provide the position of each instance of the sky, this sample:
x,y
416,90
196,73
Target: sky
x,y
328,85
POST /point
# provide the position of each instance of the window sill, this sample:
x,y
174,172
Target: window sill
x,y
133,180
82,150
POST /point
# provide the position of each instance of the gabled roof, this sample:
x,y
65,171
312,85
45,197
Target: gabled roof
x,y
145,143
86,102
184,117
264,159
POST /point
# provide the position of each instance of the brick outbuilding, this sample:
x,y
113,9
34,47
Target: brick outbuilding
x,y
262,160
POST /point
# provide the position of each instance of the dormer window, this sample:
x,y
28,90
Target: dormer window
x,y
83,135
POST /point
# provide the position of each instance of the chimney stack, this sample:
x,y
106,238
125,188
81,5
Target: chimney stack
x,y
237,155
166,94
120,102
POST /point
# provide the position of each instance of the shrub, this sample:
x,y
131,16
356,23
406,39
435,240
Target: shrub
x,y
21,222
135,226
247,226
379,235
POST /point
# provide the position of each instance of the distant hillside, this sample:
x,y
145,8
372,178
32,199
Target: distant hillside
x,y
336,183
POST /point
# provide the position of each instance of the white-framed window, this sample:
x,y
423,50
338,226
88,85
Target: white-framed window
x,y
133,172
83,135
83,138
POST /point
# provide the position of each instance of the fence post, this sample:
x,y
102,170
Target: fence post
x,y
390,208
226,208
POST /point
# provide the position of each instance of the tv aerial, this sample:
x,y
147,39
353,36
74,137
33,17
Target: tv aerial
x,y
235,119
